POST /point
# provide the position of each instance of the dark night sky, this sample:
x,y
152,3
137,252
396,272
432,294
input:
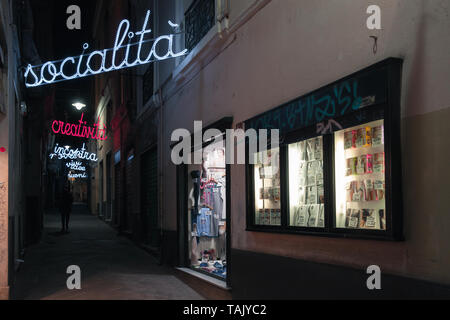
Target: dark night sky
x,y
67,43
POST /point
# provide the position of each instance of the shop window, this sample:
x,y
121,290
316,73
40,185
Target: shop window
x,y
306,184
207,213
267,188
360,177
339,171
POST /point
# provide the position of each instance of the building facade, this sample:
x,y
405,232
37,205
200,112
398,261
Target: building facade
x,y
252,64
22,140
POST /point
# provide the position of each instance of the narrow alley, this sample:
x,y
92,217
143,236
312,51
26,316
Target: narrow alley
x,y
224,150
112,267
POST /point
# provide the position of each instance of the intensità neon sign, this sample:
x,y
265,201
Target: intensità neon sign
x,y
56,71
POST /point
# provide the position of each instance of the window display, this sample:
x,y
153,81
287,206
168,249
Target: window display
x,y
340,160
359,176
267,188
306,184
207,213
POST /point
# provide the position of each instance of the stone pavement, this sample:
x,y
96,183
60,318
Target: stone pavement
x,y
112,267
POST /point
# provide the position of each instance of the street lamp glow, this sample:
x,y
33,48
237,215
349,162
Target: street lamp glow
x,y
79,105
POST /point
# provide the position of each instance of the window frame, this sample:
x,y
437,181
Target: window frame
x,y
389,111
182,196
197,38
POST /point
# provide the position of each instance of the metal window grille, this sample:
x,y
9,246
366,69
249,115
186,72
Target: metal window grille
x,y
199,19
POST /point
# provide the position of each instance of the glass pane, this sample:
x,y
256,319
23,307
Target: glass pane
x,y
267,188
306,188
360,177
207,212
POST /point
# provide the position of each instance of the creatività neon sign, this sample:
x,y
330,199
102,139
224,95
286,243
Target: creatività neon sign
x,y
56,71
69,153
80,130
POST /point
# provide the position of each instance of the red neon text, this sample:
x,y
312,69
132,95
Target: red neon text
x,y
70,129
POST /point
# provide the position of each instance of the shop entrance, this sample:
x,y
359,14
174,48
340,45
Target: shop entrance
x,y
108,214
207,214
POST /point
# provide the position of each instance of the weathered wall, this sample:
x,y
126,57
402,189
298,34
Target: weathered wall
x,y
4,143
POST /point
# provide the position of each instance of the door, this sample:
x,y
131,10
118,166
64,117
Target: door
x,y
108,215
117,194
149,197
100,185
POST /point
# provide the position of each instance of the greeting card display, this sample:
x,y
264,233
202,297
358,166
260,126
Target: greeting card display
x,y
359,176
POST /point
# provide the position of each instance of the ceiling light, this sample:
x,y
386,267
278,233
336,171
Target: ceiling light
x,y
79,105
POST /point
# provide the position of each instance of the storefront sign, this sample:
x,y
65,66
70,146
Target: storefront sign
x,y
68,153
80,130
75,165
331,102
97,61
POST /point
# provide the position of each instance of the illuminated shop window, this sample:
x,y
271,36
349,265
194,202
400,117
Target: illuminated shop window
x,y
267,188
360,177
306,184
207,213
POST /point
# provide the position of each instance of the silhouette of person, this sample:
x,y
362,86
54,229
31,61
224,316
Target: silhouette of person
x,y
65,208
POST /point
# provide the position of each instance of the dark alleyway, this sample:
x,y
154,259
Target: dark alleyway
x,y
112,267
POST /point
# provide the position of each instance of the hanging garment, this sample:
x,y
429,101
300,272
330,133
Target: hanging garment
x,y
204,222
196,182
217,205
223,214
195,256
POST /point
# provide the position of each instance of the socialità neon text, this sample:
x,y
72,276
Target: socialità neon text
x,y
96,62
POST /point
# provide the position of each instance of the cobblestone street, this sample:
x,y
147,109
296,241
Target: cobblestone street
x,y
112,267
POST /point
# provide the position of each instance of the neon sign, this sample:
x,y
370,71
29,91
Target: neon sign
x,y
69,129
77,166
55,71
68,153
77,175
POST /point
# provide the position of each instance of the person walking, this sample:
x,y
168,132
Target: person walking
x,y
66,208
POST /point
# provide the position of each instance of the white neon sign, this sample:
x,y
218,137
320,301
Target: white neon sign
x,y
56,71
77,175
68,153
75,165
